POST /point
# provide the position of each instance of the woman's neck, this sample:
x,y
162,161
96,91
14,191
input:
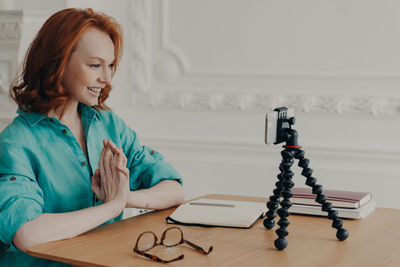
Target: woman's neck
x,y
71,118
67,115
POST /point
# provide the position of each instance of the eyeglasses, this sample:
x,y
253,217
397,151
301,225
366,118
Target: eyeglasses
x,y
171,237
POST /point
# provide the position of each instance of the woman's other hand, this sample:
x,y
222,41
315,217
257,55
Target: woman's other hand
x,y
111,181
118,151
96,187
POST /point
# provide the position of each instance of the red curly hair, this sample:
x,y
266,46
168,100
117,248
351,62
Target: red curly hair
x,y
38,88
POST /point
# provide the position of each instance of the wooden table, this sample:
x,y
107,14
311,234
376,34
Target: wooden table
x,y
373,241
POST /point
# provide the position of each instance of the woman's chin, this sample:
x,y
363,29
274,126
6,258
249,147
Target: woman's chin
x,y
91,102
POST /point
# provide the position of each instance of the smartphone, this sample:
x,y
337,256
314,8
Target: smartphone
x,y
271,127
275,121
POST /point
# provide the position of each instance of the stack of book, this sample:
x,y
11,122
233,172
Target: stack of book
x,y
349,204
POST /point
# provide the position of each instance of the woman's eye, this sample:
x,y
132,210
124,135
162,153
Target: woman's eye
x,y
96,66
111,66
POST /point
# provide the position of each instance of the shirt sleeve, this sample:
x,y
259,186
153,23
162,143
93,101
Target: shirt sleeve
x,y
21,198
147,166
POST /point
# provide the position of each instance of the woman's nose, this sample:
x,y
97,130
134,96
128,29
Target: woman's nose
x,y
106,76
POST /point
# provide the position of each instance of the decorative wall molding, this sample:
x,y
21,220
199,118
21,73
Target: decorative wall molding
x,y
17,29
10,35
162,61
5,69
139,45
10,30
166,69
197,100
10,25
167,44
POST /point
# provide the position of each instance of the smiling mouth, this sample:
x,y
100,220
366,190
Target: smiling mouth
x,y
94,90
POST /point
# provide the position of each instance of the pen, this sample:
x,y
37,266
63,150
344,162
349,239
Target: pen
x,y
212,204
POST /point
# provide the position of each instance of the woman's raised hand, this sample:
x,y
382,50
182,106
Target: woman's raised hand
x,y
119,151
111,181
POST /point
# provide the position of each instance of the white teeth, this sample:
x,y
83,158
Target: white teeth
x,y
95,90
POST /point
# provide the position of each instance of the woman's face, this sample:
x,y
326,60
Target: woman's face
x,y
89,68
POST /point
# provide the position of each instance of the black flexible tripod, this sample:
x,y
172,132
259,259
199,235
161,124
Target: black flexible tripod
x,y
284,184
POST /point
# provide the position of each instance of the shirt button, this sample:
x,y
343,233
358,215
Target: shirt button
x,y
13,178
64,131
84,163
152,152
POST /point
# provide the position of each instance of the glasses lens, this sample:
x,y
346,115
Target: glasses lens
x,y
146,241
173,237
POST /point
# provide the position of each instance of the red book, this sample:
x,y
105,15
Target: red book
x,y
338,198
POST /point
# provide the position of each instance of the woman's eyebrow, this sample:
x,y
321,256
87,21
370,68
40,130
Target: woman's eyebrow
x,y
100,58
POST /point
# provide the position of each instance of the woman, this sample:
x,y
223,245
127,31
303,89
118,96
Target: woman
x,y
67,163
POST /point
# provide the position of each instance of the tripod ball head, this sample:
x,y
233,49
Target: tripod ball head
x,y
291,120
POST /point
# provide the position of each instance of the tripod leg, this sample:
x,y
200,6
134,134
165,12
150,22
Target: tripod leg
x,y
283,212
337,223
273,202
282,189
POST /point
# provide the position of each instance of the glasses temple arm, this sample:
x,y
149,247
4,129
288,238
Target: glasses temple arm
x,y
196,247
155,258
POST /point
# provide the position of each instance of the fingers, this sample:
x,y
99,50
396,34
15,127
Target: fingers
x,y
96,178
113,166
106,160
125,171
108,180
101,169
122,163
113,147
115,171
116,150
95,185
124,159
121,166
101,165
97,173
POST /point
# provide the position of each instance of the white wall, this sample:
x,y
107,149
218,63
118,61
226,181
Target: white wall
x,y
206,72
198,77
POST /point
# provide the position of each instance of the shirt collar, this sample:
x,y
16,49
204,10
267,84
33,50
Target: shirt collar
x,y
88,112
34,118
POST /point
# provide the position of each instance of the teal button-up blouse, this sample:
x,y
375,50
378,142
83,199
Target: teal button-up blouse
x,y
43,169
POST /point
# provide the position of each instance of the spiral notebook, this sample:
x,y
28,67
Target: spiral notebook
x,y
212,212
